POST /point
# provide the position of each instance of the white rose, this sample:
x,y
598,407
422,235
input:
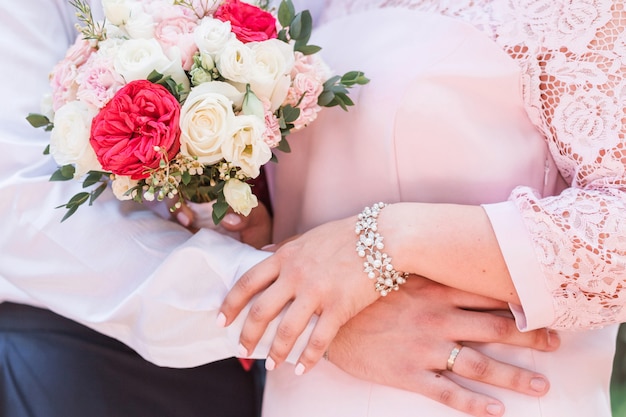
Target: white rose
x,y
246,148
206,120
235,62
69,140
121,184
140,25
137,58
239,196
117,11
270,78
211,35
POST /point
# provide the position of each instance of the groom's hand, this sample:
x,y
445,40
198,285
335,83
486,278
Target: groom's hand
x,y
405,340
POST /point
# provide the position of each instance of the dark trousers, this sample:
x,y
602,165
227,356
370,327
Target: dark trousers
x,y
53,367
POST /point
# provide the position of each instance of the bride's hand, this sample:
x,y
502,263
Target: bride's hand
x,y
404,340
317,273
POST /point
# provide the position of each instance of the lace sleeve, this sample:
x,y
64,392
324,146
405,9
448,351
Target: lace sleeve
x,y
574,60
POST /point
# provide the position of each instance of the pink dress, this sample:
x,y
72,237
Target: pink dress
x,y
443,119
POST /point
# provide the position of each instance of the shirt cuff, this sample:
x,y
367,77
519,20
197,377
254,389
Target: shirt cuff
x,y
537,309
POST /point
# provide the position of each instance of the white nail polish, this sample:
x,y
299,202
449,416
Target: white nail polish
x,y
299,369
231,219
270,364
220,320
243,352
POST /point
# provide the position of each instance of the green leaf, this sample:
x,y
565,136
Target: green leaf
x,y
78,199
354,77
282,35
290,114
37,120
220,208
70,211
325,98
286,12
92,178
283,146
301,27
155,76
96,193
47,150
307,49
186,177
65,173
295,27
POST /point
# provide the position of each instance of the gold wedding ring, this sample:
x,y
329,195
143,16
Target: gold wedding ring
x,y
453,354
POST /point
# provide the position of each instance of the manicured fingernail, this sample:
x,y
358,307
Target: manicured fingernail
x,y
299,369
220,320
232,219
494,409
243,352
268,247
183,219
538,384
270,364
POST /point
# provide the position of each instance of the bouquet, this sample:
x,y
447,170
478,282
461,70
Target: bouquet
x,y
184,99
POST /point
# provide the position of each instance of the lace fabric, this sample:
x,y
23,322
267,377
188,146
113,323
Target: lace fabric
x,y
573,58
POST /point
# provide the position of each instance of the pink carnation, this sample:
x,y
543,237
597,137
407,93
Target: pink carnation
x,y
63,76
305,89
272,135
98,81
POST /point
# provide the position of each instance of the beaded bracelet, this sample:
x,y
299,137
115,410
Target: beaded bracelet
x,y
377,264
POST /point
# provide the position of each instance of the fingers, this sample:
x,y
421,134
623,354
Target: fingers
x,y
258,278
289,329
319,342
262,311
441,389
474,365
494,327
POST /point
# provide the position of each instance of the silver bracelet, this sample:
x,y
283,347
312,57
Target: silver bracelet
x,y
377,264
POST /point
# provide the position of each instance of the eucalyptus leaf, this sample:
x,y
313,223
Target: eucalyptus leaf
x,y
154,76
47,150
92,178
64,173
220,208
96,193
78,199
70,211
37,120
295,27
307,49
283,146
286,12
325,98
290,114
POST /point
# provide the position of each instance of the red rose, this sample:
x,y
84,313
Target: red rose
x,y
139,117
249,23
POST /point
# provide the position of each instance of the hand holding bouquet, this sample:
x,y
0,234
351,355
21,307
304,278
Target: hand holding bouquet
x,y
184,98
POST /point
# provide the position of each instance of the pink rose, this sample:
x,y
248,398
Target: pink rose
x,y
249,23
176,34
141,116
